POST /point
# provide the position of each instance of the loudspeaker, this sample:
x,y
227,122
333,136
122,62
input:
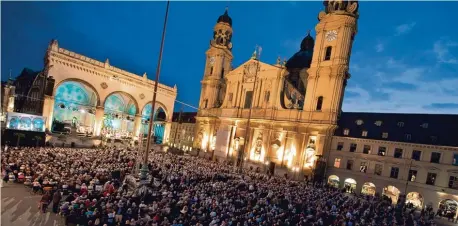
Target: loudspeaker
x,y
50,81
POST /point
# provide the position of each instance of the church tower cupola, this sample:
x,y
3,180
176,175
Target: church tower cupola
x,y
225,18
222,32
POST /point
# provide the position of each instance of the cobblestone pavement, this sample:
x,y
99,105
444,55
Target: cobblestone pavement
x,y
20,208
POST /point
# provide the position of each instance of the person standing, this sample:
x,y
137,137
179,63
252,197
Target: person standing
x,y
55,201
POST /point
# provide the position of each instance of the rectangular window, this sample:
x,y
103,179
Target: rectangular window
x,y
431,178
412,175
453,182
349,164
340,146
394,172
398,153
416,155
353,147
230,96
337,163
435,157
248,99
455,160
364,134
384,135
378,169
363,167
346,132
367,149
382,151
327,55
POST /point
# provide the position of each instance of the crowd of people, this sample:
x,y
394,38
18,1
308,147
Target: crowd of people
x,y
86,187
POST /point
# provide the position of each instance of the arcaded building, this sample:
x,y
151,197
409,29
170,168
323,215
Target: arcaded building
x,y
396,154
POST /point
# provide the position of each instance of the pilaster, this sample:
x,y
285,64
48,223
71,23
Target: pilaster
x,y
99,113
48,110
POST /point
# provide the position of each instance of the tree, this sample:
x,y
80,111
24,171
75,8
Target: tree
x,y
19,136
38,139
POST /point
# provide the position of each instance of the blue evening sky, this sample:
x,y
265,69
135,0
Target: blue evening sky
x,y
405,55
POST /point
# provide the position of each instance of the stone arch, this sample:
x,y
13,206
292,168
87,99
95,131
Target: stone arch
x,y
392,192
368,188
96,92
158,105
135,102
350,185
416,199
74,107
448,206
334,181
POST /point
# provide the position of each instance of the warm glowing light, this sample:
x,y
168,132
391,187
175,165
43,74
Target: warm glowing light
x,y
204,142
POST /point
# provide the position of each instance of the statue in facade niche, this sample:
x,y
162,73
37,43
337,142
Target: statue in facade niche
x,y
258,145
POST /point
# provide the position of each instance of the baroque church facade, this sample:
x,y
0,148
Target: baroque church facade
x,y
279,115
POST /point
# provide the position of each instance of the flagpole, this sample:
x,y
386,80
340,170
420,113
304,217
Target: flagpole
x,y
144,170
247,128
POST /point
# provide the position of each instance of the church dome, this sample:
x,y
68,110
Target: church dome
x,y
303,58
225,18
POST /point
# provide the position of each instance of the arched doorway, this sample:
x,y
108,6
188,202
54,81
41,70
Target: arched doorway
x,y
392,192
368,189
350,185
160,117
415,199
119,116
74,108
333,181
448,207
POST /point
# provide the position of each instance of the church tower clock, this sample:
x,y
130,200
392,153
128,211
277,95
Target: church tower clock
x,y
328,72
218,64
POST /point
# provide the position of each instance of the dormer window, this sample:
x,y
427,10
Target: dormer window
x,y
378,123
433,139
364,134
400,124
346,132
424,125
384,135
359,122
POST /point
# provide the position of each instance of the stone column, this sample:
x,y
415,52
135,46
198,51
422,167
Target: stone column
x,y
99,112
48,110
137,125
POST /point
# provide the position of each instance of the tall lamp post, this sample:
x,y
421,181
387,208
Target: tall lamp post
x,y
144,170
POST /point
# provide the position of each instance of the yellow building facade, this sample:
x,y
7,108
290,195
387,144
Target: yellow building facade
x,y
293,105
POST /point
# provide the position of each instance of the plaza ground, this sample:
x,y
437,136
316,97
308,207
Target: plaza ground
x,y
19,208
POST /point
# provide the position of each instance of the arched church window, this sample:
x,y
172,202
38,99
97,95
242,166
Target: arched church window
x,y
211,70
205,103
327,56
222,73
319,103
267,96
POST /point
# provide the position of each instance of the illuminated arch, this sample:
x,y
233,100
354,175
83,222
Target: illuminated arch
x,y
334,181
392,192
146,110
129,103
416,199
74,104
85,83
350,185
368,189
